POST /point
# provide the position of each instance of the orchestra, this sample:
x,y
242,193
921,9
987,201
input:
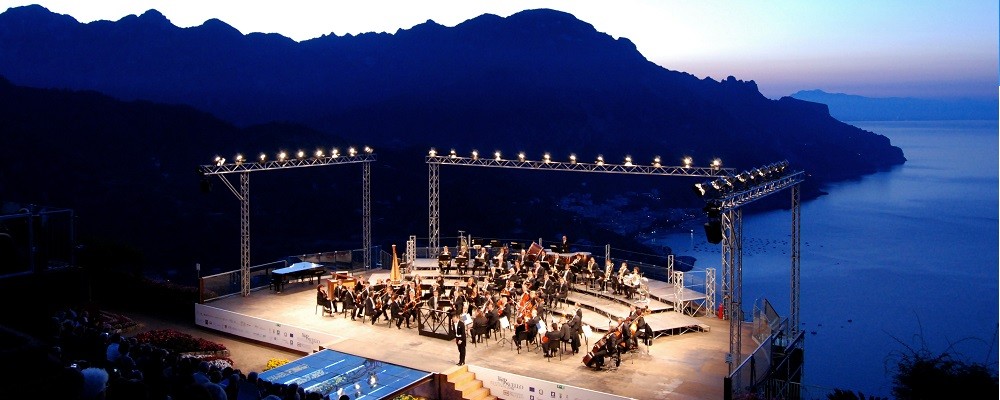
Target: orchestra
x,y
521,289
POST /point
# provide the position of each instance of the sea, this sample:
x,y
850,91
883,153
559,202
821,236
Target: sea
x,y
893,264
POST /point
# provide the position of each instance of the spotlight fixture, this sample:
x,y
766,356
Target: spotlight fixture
x,y
600,159
656,161
300,154
520,156
688,161
282,156
496,155
628,161
702,189
319,153
369,150
352,152
546,158
716,163
475,155
713,228
572,158
432,153
263,157
452,154
219,161
239,159
334,152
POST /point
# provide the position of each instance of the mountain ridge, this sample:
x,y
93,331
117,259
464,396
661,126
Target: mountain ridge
x,y
850,107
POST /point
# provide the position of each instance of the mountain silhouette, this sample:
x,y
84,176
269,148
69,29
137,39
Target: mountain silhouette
x,y
123,111
536,81
848,107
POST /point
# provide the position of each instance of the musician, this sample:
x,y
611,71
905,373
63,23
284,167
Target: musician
x,y
480,325
463,266
322,298
396,310
539,271
564,245
493,318
608,348
551,341
374,307
622,271
589,271
347,297
548,291
444,260
606,279
568,332
562,292
459,332
526,329
460,302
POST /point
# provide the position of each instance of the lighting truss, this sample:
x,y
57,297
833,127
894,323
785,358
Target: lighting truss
x,y
232,168
435,161
731,214
244,167
582,166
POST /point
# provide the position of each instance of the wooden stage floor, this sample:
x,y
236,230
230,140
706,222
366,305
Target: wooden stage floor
x,y
683,366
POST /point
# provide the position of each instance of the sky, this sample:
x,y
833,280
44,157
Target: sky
x,y
886,48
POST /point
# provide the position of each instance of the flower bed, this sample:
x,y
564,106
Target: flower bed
x,y
275,363
117,322
180,342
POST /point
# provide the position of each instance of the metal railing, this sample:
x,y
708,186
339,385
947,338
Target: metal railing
x,y
755,377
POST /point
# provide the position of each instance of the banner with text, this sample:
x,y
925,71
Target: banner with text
x,y
510,386
262,330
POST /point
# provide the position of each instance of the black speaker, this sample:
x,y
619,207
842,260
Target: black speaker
x,y
713,231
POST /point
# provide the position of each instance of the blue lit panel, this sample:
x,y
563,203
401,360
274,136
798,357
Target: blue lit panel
x,y
333,373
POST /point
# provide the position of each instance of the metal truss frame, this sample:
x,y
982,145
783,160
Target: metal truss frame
x,y
243,195
434,163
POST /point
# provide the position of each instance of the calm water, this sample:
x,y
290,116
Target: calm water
x,y
905,258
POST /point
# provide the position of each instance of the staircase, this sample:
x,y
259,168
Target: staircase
x,y
464,382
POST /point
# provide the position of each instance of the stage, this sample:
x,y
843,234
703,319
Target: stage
x,y
686,365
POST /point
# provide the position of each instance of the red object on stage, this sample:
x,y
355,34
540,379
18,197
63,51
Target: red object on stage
x,y
721,312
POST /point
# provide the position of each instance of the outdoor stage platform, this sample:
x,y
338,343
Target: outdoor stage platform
x,y
677,366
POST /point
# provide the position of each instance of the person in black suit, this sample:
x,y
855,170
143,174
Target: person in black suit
x,y
460,334
575,329
552,338
564,245
396,312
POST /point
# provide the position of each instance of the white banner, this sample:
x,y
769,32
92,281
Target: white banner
x,y
262,330
508,386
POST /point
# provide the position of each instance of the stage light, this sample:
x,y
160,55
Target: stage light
x,y
716,163
263,157
282,156
702,189
475,155
628,161
219,161
713,228
334,152
319,153
496,155
369,150
656,161
600,159
300,154
520,156
687,162
432,153
239,159
572,158
546,157
351,151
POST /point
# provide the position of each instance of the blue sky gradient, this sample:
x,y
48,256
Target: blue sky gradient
x,y
890,48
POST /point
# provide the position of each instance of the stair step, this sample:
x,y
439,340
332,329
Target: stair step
x,y
456,371
469,387
477,394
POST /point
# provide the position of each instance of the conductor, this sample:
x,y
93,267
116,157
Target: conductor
x,y
460,334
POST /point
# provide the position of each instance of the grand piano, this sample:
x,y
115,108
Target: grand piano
x,y
299,270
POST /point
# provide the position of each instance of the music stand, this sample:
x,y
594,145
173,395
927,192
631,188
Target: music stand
x,y
516,246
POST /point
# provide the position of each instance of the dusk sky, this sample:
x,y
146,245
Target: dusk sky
x,y
904,48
